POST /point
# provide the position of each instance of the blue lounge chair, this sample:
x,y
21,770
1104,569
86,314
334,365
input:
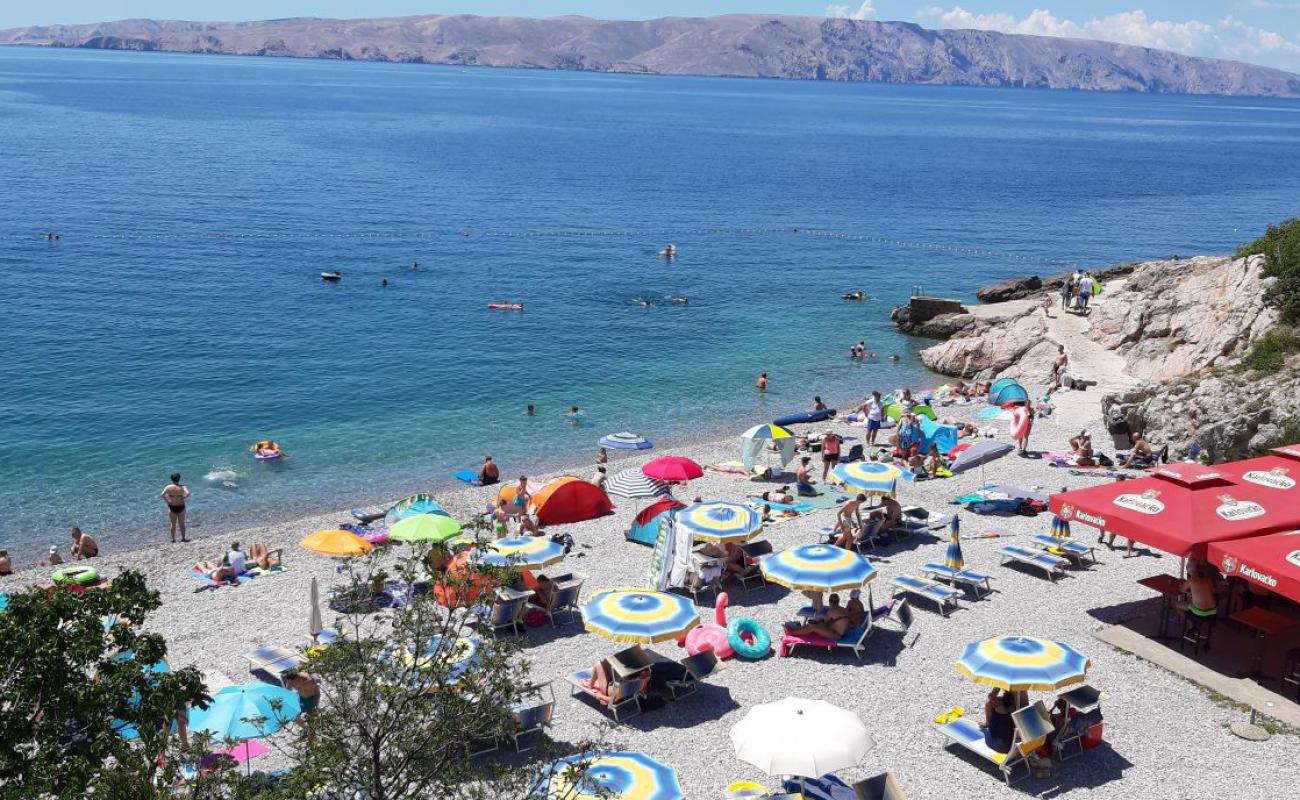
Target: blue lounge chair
x,y
854,639
979,583
533,716
563,599
272,662
1034,558
1031,730
1076,551
624,694
504,613
935,592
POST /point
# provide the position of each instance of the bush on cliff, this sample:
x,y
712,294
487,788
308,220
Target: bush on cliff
x,y
1269,354
1280,247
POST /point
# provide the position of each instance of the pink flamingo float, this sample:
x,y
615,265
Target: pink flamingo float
x,y
711,635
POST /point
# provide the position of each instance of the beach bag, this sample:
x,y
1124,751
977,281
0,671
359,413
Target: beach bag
x,y
564,540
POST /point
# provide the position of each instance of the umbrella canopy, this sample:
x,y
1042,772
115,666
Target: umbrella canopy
x,y
338,544
1272,562
979,454
619,775
673,468
226,717
1060,528
720,522
461,654
634,485
1278,471
520,552
1022,663
435,528
639,616
870,477
806,738
955,559
625,441
818,568
314,624
410,506
756,440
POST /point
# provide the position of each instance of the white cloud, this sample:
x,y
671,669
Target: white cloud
x,y
1225,38
865,11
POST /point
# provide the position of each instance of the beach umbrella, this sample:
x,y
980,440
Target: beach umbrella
x,y
634,485
720,522
803,738
954,559
336,543
125,729
618,775
979,454
625,441
1021,663
434,528
246,711
1060,528
755,441
410,506
818,568
673,469
870,477
459,653
519,552
314,624
639,616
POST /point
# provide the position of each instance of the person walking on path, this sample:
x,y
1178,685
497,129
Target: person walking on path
x,y
174,495
1085,291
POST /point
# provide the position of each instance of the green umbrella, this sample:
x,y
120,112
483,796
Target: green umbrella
x,y
434,528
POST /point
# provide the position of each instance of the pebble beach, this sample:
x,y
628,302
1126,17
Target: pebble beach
x,y
1165,738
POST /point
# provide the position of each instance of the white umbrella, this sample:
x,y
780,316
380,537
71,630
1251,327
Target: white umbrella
x,y
314,625
805,738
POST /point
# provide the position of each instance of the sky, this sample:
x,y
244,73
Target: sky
x,y
1257,31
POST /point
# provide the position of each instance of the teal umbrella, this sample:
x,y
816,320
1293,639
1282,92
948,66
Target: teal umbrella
x,y
247,711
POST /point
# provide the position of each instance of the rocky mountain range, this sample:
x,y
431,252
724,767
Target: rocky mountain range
x,y
747,45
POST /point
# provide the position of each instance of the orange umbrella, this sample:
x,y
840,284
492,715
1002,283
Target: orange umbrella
x,y
470,584
336,543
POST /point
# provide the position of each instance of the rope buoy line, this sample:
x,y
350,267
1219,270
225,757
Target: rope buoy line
x,y
658,233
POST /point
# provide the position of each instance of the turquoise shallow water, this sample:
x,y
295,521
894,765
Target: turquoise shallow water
x,y
180,317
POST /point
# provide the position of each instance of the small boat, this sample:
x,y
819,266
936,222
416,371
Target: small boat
x,y
858,295
505,306
333,275
266,450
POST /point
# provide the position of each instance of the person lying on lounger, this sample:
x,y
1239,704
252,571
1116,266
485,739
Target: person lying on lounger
x,y
832,626
602,678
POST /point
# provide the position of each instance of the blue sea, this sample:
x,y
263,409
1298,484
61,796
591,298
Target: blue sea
x,y
181,316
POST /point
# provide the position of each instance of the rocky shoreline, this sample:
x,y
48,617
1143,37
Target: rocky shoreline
x,y
1165,342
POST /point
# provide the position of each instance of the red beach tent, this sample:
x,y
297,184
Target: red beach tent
x,y
1270,561
1180,509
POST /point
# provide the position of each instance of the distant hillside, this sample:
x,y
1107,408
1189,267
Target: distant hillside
x,y
754,46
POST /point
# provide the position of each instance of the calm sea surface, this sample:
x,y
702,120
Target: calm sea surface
x,y
181,315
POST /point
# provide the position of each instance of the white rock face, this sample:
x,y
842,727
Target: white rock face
x,y
995,346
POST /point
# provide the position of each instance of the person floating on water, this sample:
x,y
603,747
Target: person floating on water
x,y
682,300
669,252
383,281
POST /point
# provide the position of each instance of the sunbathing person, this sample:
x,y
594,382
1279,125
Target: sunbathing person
x,y
1142,455
856,611
603,677
893,514
736,561
832,626
933,462
1081,447
848,524
782,496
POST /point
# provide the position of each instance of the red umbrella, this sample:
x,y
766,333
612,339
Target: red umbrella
x,y
673,469
1270,561
1279,472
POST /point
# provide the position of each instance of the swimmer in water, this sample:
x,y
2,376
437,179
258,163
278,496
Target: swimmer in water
x,y
573,415
532,410
646,302
895,357
415,266
383,281
684,301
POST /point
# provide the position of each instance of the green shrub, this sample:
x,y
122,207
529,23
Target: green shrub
x,y
1270,353
1280,246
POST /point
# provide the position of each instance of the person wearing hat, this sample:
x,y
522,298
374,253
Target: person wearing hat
x,y
1081,446
55,558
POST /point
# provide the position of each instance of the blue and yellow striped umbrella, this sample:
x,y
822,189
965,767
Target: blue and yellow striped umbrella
x,y
1060,528
1022,663
619,775
870,477
772,432
720,522
639,616
955,559
818,568
520,552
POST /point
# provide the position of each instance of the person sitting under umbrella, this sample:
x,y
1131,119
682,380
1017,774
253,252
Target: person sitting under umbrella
x,y
999,728
832,626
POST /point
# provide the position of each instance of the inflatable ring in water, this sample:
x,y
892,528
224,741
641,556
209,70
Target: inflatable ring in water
x,y
75,576
748,638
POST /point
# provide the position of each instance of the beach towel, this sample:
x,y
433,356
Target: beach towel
x,y
828,499
258,572
468,476
759,502
728,468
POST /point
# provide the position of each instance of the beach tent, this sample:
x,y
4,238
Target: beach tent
x,y
998,385
570,499
1269,561
645,526
1010,393
1179,509
945,436
415,504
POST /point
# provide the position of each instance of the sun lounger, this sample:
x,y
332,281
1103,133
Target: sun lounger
x,y
624,694
504,613
854,639
938,593
1034,558
1086,701
697,668
754,553
563,599
533,715
272,662
979,583
1076,551
882,787
916,518
1031,731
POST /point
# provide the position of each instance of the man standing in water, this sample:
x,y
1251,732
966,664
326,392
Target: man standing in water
x,y
174,495
761,383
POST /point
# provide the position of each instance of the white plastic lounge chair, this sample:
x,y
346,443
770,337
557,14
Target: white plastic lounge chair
x,y
937,593
1034,558
1078,552
1031,730
882,787
623,694
979,583
273,662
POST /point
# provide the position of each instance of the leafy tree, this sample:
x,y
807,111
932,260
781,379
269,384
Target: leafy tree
x,y
75,669
400,715
1280,246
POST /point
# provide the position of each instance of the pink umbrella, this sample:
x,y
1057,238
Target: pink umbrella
x,y
672,469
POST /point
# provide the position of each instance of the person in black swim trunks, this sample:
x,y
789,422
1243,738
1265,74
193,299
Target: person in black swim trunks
x,y
174,495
